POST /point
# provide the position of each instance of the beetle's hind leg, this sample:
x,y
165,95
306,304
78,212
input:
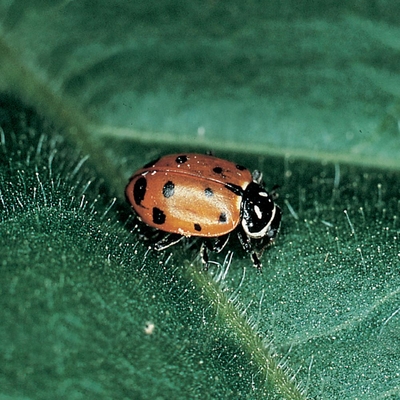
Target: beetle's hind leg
x,y
215,245
204,254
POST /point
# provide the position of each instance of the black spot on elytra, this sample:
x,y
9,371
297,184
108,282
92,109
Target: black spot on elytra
x,y
158,216
181,159
240,167
217,170
208,192
139,190
222,218
151,163
234,189
197,227
168,189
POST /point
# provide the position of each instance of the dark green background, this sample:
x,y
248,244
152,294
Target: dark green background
x,y
307,92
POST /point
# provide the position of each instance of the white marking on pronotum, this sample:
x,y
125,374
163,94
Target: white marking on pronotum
x,y
262,232
258,211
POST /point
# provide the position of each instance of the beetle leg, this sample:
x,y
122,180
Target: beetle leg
x,y
245,241
167,241
218,243
256,261
204,254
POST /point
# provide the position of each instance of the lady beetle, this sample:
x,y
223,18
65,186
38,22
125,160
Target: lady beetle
x,y
188,195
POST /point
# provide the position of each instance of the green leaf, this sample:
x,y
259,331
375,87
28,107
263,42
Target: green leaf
x,y
308,95
91,312
272,78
